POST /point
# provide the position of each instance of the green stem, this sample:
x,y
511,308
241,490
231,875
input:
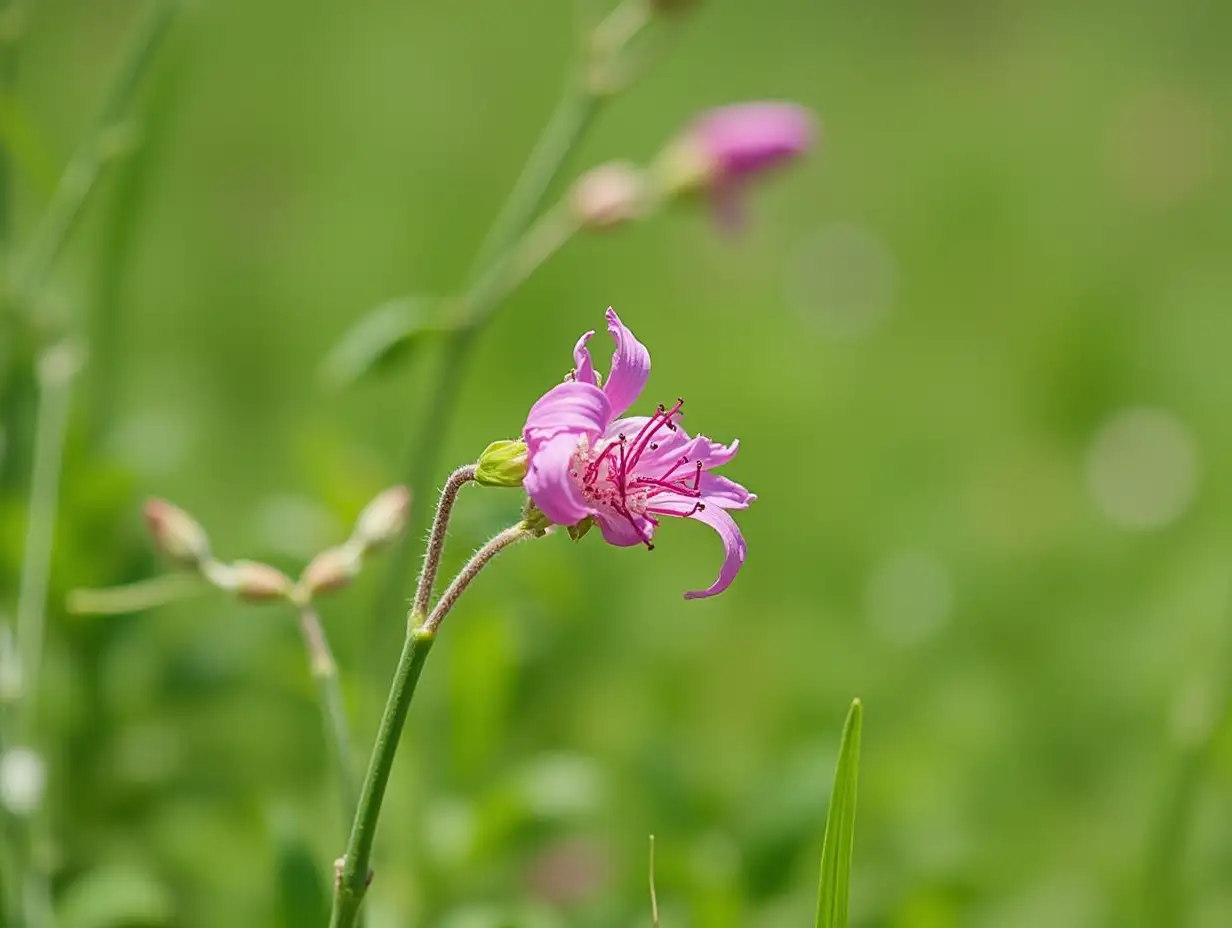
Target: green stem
x,y
1164,904
56,370
333,709
353,875
11,26
134,597
81,175
489,277
55,376
436,541
352,879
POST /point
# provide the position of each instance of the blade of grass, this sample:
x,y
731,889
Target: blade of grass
x,y
840,827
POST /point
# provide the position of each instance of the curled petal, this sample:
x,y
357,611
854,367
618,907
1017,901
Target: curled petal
x,y
630,366
733,549
576,408
710,453
726,494
584,368
618,531
548,481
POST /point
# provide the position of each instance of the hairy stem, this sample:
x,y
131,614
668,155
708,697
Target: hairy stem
x,y
436,541
489,278
479,560
353,874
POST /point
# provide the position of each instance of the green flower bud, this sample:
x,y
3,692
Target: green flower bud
x,y
502,464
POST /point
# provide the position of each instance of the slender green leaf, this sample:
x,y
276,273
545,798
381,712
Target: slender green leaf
x,y
840,827
380,339
303,895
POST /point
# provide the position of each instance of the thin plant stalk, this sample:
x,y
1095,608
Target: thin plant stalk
x,y
486,287
353,875
333,710
55,374
436,542
1164,902
101,145
56,370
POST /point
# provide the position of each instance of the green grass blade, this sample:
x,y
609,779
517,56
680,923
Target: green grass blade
x,y
840,827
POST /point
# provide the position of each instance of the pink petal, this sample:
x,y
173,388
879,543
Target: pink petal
x,y
549,483
618,531
726,494
584,368
577,408
710,453
630,366
734,549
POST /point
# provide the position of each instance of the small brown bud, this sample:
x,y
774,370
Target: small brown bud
x,y
384,518
260,583
609,195
330,570
177,534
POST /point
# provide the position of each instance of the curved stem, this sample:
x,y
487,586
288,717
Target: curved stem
x,y
479,560
436,541
488,284
353,875
333,710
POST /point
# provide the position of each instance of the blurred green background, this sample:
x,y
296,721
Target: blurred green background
x,y
976,352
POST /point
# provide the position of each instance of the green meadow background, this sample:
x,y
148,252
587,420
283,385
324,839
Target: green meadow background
x,y
976,351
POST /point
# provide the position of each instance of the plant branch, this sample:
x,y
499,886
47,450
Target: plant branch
x,y
489,277
333,710
436,541
353,874
56,370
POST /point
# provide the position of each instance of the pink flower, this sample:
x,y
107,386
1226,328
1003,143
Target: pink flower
x,y
588,459
725,148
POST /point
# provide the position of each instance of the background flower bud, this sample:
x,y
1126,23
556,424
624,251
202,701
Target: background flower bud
x,y
502,464
384,518
609,195
260,583
177,534
332,569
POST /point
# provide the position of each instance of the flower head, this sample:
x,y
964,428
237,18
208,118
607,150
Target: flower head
x,y
588,459
726,147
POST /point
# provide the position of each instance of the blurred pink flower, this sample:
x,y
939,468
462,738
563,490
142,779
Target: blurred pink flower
x,y
589,460
728,146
